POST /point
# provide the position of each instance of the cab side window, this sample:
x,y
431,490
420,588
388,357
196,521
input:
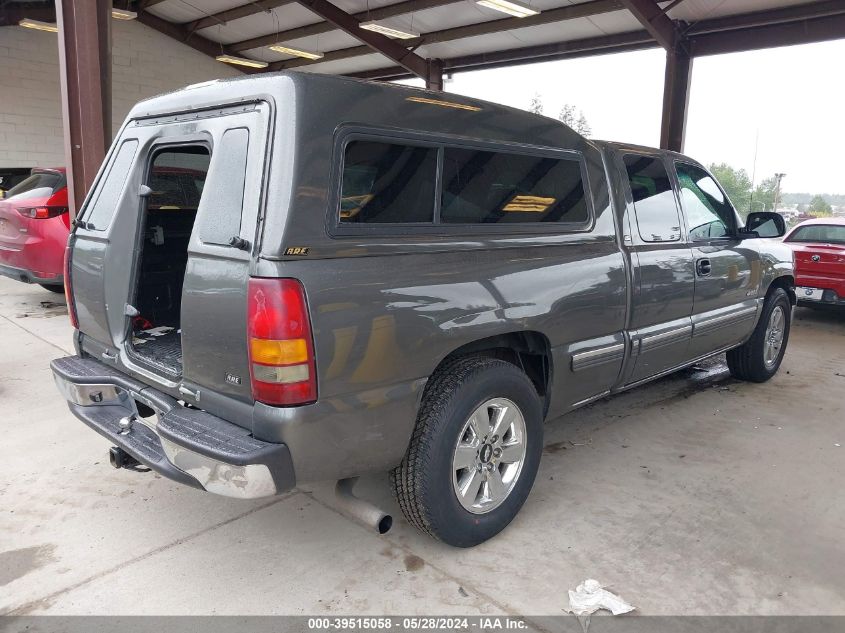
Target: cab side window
x,y
654,201
709,213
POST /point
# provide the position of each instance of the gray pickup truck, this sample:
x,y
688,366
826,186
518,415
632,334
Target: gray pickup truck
x,y
293,278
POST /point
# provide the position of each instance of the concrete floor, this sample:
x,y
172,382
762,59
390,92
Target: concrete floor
x,y
694,495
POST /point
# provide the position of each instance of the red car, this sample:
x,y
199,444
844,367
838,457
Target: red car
x,y
34,227
819,247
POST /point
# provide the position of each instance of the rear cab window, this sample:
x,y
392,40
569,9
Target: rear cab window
x,y
655,207
442,186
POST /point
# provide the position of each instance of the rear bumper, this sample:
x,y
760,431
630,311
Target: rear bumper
x,y
31,277
190,446
830,297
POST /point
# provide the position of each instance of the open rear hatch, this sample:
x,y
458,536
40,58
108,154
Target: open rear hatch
x,y
162,252
175,181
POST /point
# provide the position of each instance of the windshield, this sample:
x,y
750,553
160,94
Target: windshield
x,y
819,233
41,184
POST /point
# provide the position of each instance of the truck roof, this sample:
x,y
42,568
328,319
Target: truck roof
x,y
620,146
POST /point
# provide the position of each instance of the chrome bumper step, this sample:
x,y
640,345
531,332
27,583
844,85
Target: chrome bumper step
x,y
185,444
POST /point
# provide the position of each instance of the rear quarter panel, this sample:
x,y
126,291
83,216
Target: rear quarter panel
x,y
387,309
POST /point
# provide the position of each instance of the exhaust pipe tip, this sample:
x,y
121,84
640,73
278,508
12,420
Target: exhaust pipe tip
x,y
360,510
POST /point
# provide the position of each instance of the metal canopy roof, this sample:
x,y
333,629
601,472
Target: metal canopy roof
x,y
459,35
465,35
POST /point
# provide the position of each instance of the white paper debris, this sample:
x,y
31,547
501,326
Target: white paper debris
x,y
158,331
589,597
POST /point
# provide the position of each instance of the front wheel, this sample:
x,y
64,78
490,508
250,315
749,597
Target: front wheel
x,y
58,289
474,453
760,357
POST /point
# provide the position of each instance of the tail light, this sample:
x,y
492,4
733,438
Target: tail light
x,y
41,213
281,350
71,306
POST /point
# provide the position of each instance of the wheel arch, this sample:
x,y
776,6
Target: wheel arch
x,y
527,349
787,282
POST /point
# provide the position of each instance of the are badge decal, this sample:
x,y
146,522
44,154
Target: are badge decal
x,y
232,379
300,251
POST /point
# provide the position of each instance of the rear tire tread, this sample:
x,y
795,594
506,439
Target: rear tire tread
x,y
407,479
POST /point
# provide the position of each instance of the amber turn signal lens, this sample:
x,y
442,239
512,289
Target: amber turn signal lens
x,y
270,352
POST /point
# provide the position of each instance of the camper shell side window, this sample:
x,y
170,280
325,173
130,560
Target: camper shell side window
x,y
394,183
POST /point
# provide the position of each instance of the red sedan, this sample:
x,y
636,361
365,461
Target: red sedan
x,y
34,227
819,247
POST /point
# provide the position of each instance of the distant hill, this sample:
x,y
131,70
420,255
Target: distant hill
x,y
834,199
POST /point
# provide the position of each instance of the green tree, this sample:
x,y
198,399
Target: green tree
x,y
536,105
567,115
819,206
764,195
582,126
736,184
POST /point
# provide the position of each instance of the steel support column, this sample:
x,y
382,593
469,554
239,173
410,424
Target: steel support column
x,y
675,100
434,81
85,76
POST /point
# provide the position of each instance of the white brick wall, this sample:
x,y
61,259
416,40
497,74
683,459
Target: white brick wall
x,y
144,63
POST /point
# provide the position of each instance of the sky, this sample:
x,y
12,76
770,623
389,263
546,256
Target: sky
x,y
791,99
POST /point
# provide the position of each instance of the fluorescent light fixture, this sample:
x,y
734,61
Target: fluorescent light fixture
x,y
444,104
387,30
510,7
287,50
241,61
529,204
38,25
123,14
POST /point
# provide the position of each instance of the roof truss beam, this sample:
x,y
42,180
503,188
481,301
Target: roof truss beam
x,y
804,24
382,13
570,12
10,15
821,29
769,17
244,11
655,21
178,32
181,33
376,41
605,44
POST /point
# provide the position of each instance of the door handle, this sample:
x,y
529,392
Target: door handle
x,y
703,267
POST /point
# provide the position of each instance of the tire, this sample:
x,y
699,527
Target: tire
x,y
427,482
756,360
53,288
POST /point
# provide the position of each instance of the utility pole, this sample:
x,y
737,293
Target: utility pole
x,y
777,191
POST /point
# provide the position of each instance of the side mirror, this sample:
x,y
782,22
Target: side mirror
x,y
764,224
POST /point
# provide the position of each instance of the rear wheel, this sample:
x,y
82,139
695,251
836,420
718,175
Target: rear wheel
x,y
53,288
759,358
474,453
